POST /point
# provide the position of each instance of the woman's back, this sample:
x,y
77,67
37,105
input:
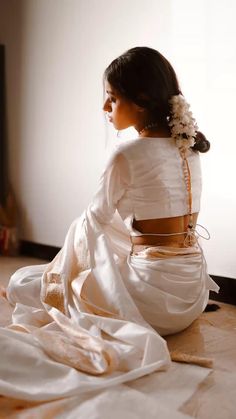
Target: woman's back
x,y
156,185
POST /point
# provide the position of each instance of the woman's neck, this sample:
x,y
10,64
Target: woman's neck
x,y
163,132
158,128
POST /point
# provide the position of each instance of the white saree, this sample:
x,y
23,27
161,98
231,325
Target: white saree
x,y
94,316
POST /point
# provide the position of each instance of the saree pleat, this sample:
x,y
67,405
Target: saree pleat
x,y
98,319
95,316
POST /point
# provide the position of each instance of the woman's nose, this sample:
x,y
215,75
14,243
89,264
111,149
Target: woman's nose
x,y
107,106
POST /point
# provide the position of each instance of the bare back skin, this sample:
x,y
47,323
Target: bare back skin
x,y
163,226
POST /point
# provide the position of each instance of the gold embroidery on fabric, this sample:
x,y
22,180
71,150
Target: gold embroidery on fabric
x,y
147,252
54,292
190,239
91,361
18,328
97,310
82,255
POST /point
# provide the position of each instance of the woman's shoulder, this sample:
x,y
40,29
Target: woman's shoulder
x,y
126,145
122,153
143,146
130,147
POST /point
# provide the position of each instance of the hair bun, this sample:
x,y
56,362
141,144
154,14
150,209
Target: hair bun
x,y
201,144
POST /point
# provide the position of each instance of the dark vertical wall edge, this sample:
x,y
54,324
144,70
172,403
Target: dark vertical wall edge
x,y
3,151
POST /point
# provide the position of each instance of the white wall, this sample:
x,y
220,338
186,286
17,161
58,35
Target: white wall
x,y
204,36
65,47
57,52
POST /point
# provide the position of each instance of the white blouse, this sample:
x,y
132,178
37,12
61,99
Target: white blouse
x,y
144,179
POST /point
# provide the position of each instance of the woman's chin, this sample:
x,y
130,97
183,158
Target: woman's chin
x,y
113,124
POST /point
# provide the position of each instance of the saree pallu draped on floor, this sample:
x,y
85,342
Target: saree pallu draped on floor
x,y
92,318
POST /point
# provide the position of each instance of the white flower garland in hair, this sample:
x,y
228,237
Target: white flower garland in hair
x,y
182,122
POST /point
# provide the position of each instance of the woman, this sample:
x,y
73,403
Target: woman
x,y
131,268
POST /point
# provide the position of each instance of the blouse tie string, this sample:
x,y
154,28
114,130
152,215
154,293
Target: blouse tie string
x,y
192,235
190,238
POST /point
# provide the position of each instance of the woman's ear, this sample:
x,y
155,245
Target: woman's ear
x,y
139,108
142,97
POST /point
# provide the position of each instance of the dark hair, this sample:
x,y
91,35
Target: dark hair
x,y
201,143
144,76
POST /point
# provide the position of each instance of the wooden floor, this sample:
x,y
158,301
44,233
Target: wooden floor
x,y
213,336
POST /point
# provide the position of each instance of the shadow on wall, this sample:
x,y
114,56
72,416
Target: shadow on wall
x,y
8,217
12,16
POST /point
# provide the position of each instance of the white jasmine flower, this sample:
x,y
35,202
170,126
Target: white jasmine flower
x,y
182,122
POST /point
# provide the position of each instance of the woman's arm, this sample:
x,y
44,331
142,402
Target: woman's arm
x,y
112,185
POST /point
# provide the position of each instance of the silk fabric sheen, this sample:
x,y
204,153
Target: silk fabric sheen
x,y
94,316
144,179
